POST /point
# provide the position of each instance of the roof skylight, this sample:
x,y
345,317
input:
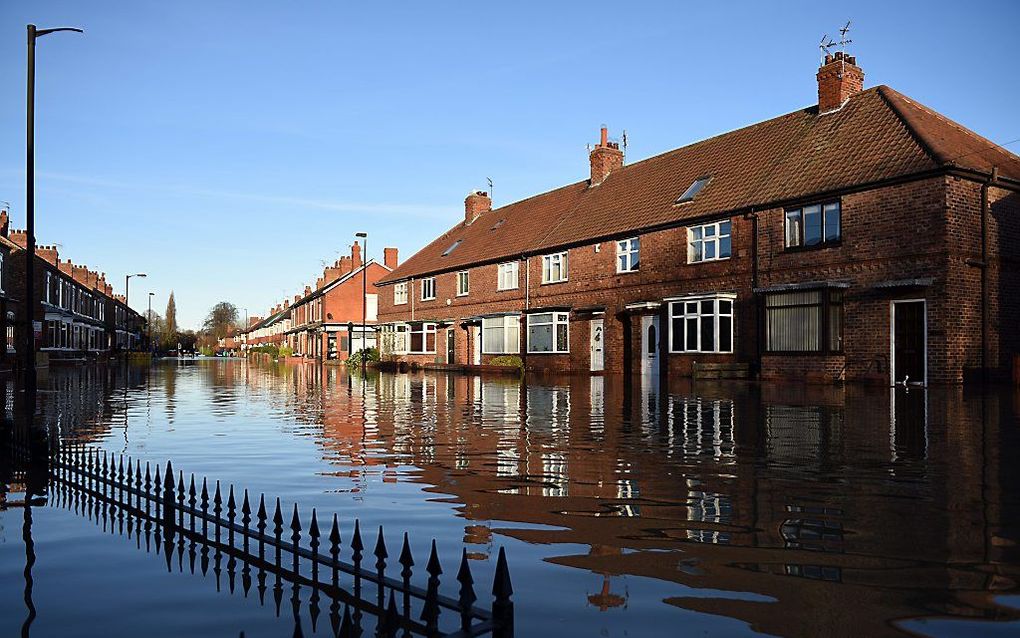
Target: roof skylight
x,y
451,248
693,190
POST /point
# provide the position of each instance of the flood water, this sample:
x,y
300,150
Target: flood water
x,y
690,510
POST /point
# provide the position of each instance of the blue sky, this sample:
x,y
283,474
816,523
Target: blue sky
x,y
228,149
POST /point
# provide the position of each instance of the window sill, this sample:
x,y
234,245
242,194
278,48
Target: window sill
x,y
463,294
628,272
708,261
546,352
429,299
508,289
551,283
803,353
821,246
693,353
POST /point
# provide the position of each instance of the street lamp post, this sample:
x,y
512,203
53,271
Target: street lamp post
x,y
127,281
364,298
33,35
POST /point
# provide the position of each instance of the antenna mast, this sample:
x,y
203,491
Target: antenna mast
x,y
492,197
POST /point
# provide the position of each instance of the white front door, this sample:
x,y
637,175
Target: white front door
x,y
598,360
476,343
649,344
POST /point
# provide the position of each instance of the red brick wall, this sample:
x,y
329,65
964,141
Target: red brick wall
x,y
921,229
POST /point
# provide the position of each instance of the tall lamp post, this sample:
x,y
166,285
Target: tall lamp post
x,y
33,35
127,281
364,298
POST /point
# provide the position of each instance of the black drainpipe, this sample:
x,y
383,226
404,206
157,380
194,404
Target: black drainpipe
x,y
984,272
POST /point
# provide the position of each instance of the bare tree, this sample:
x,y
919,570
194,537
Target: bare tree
x,y
222,319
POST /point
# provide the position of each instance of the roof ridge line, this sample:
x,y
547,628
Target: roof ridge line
x,y
914,134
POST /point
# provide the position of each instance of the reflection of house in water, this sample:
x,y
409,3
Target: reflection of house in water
x,y
812,497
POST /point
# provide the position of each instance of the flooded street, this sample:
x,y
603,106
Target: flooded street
x,y
710,509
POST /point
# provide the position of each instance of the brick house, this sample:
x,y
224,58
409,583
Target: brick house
x,y
325,322
8,298
865,237
74,311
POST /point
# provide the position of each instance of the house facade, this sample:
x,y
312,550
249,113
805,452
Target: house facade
x,y
73,312
865,238
332,320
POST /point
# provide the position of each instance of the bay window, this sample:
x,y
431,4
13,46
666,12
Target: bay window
x,y
628,255
400,293
813,225
554,268
501,335
709,242
508,275
548,332
394,339
804,321
701,324
422,338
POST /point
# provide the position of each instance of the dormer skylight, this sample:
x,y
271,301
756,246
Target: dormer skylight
x,y
693,190
497,224
451,248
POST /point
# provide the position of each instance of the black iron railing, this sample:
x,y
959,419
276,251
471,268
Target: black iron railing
x,y
191,517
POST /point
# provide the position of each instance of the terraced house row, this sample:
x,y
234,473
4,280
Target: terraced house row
x,y
865,237
73,312
330,321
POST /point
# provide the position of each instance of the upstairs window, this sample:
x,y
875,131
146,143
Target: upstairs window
x,y
813,225
709,242
554,268
628,255
428,288
507,276
463,283
693,190
400,293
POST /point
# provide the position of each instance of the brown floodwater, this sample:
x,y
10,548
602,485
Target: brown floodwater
x,y
625,509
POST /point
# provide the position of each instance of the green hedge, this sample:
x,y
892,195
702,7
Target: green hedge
x,y
507,360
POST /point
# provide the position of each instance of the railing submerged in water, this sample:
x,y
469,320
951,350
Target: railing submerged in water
x,y
95,483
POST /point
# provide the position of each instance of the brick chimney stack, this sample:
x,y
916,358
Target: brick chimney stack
x,y
605,158
355,255
48,253
5,223
19,237
838,79
476,203
390,257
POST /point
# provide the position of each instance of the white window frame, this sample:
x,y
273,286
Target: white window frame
x,y
699,235
507,272
428,288
680,308
400,293
396,337
628,255
463,283
507,324
557,262
555,320
425,329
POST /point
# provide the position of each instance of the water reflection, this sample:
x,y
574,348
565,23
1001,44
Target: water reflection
x,y
794,510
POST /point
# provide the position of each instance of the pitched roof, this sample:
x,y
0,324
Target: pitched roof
x,y
878,134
